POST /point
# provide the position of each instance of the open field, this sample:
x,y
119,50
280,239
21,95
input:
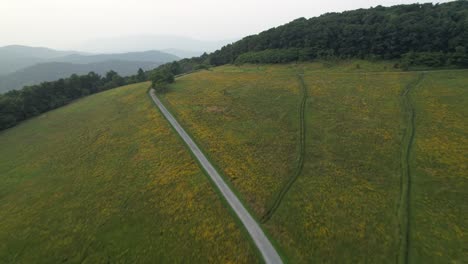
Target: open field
x,y
105,179
348,204
344,205
246,121
439,189
339,163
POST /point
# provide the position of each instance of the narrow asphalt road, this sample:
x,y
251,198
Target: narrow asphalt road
x,y
264,245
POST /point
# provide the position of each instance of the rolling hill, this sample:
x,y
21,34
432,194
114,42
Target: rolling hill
x,y
328,177
51,71
49,65
15,57
105,179
344,135
338,161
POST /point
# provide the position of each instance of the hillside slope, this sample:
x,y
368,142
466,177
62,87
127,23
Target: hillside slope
x,y
105,179
348,204
379,32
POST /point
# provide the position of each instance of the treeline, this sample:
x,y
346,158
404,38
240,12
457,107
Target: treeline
x,y
275,56
377,33
436,59
165,74
18,105
430,59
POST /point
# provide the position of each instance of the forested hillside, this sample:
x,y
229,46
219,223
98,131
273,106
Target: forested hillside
x,y
380,32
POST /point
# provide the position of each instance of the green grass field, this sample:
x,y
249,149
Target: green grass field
x,y
105,180
349,162
246,122
439,201
349,203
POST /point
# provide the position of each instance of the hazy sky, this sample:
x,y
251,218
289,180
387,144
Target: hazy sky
x,y
65,24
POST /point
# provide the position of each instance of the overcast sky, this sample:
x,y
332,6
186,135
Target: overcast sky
x,y
65,24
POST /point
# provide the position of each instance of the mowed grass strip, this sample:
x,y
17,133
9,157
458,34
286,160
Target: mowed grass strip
x,y
247,120
105,179
439,198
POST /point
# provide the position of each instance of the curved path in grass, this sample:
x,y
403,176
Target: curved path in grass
x,y
300,161
405,188
263,244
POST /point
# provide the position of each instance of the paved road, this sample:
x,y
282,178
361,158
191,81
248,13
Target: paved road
x,y
264,245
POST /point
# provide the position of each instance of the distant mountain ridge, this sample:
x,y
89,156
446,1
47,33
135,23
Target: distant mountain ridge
x,y
37,52
22,65
51,71
15,57
187,45
151,55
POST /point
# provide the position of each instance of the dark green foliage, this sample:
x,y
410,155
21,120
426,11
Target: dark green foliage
x,y
141,76
185,65
161,78
432,59
18,105
380,32
269,56
435,35
435,59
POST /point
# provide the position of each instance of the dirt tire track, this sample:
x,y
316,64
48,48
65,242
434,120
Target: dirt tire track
x,y
300,161
404,208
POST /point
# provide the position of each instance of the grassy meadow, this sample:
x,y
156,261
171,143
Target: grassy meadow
x,y
348,204
246,121
106,180
343,208
380,165
439,201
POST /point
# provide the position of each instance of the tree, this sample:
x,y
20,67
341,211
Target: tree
x,y
141,76
160,80
160,87
175,68
109,75
164,76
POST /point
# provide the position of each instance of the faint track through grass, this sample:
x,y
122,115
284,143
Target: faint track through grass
x,y
300,162
404,208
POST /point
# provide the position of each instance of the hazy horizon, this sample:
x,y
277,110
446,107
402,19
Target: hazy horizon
x,y
83,24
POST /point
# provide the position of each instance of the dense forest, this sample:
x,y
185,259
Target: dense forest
x,y
418,34
376,33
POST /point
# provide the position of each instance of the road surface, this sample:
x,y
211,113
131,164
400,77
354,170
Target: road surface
x,y
269,253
